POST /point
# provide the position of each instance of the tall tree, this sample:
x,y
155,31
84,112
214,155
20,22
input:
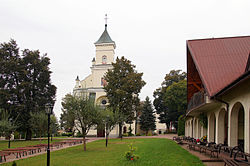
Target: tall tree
x,y
147,118
160,102
25,84
124,84
84,111
176,100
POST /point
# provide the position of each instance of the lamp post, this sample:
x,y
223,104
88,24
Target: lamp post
x,y
49,111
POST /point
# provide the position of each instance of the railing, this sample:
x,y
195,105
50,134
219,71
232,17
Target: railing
x,y
197,99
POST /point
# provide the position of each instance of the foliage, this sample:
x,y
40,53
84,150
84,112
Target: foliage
x,y
203,120
68,134
110,120
7,125
25,84
130,154
124,85
86,114
170,99
181,126
54,126
147,118
39,123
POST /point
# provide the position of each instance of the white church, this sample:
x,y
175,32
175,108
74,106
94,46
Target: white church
x,y
92,85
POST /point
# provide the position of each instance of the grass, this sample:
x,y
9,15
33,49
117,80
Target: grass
x,y
152,152
21,143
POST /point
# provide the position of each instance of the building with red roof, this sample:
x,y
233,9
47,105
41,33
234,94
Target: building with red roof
x,y
218,90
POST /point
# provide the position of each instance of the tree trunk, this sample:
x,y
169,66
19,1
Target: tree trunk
x,y
84,143
107,139
146,132
136,126
9,143
167,127
120,130
28,134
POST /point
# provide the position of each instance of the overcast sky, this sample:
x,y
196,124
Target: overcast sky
x,y
152,34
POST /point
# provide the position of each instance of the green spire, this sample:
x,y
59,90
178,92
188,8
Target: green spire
x,y
105,38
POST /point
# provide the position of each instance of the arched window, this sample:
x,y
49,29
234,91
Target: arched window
x,y
104,59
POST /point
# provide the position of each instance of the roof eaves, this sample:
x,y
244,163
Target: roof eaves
x,y
198,69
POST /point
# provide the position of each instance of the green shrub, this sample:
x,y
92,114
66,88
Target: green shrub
x,y
67,134
149,134
16,135
14,163
125,135
79,134
181,125
129,155
138,134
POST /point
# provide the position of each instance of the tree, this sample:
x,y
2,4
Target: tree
x,y
7,125
147,118
110,120
84,111
39,123
25,84
54,126
124,84
176,100
160,101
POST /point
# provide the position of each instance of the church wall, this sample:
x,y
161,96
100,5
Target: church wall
x,y
107,50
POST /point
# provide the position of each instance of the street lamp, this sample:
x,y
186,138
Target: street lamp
x,y
49,111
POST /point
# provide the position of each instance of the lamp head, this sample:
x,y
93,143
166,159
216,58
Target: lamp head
x,y
49,108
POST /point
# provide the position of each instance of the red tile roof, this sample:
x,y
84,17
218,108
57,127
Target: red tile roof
x,y
219,61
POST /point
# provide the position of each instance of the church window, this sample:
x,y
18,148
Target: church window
x,y
103,82
92,96
104,59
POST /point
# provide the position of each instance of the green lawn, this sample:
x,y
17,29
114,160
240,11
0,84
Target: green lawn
x,y
15,144
152,152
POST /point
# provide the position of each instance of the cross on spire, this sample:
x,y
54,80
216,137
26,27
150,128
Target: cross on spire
x,y
106,20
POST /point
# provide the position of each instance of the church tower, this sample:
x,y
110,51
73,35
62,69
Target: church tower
x,y
92,85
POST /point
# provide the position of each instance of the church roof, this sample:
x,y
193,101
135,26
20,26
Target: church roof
x,y
220,61
105,38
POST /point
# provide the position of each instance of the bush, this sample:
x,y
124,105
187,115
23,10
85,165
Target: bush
x,y
129,155
181,125
125,135
130,134
14,163
138,134
149,134
67,134
79,134
16,135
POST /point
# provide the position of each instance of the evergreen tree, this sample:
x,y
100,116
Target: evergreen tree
x,y
124,85
147,118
